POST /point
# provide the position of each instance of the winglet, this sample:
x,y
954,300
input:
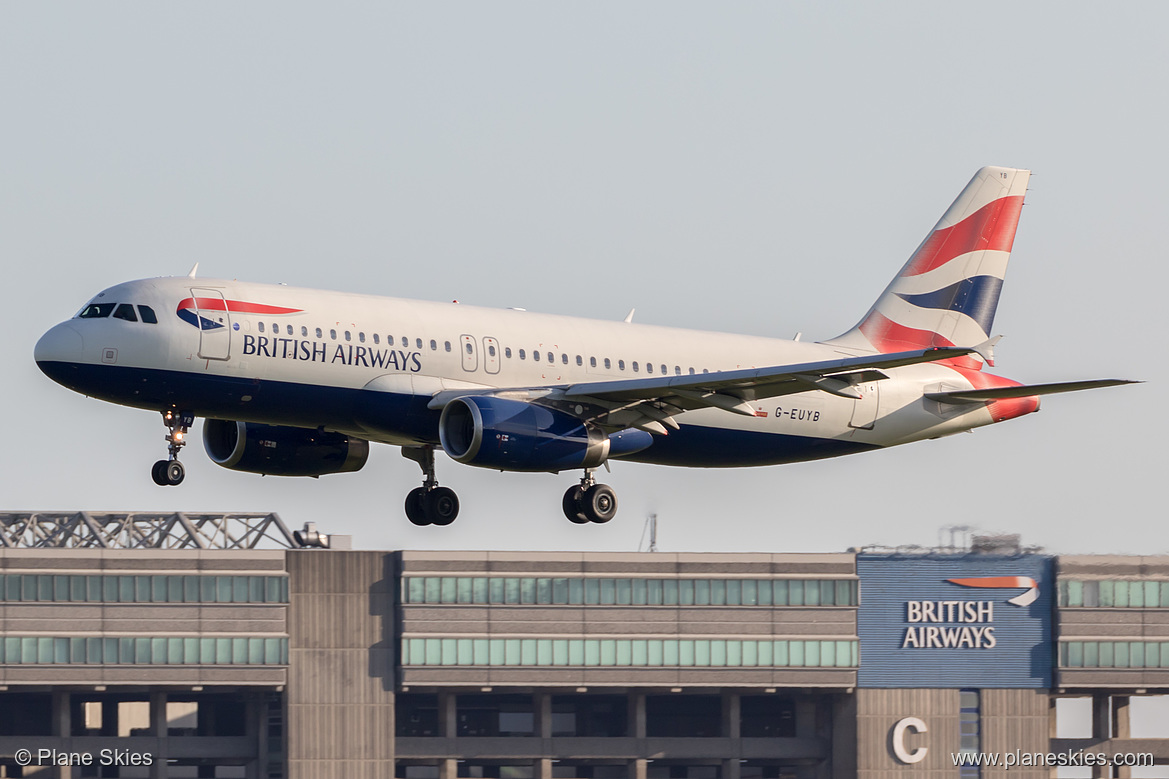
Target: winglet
x,y
194,268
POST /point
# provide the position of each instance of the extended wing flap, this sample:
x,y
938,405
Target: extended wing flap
x,y
1025,391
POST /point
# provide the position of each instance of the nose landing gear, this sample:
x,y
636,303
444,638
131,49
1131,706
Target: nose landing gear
x,y
170,472
589,502
429,504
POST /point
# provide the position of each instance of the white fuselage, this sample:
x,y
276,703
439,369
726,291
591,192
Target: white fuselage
x,y
367,366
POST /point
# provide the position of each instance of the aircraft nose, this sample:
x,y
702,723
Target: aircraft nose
x,y
60,346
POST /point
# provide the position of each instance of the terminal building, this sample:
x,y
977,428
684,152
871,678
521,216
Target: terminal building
x,y
195,645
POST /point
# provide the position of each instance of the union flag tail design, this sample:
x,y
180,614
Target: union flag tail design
x,y
946,295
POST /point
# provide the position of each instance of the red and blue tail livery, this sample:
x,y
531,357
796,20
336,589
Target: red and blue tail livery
x,y
301,384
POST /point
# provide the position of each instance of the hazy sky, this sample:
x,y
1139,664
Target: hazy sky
x,y
756,168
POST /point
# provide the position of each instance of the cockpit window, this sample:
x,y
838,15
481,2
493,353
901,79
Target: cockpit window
x,y
125,311
96,311
148,315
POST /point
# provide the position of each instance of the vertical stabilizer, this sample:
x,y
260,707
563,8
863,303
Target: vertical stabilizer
x,y
946,295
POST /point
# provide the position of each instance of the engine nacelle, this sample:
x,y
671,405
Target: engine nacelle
x,y
281,451
513,435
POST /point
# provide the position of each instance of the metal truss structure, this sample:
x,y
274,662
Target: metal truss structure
x,y
142,530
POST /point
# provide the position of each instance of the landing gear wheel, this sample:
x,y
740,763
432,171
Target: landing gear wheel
x,y
429,504
572,505
599,503
442,506
170,473
175,472
416,507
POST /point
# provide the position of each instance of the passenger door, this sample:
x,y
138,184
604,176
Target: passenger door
x,y
864,410
490,354
467,349
214,323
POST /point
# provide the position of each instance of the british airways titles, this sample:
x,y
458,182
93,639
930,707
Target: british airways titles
x,y
346,354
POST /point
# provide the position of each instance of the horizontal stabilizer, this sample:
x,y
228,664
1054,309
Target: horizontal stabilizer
x,y
1025,391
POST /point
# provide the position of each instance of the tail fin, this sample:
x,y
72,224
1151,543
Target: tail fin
x,y
947,293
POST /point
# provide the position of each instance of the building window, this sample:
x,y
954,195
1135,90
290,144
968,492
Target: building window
x,y
16,650
969,727
644,653
629,592
1114,654
1074,593
111,588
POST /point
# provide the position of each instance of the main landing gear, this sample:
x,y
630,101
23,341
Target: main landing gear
x,y
170,472
429,504
589,501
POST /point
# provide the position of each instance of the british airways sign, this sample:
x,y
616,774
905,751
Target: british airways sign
x,y
954,621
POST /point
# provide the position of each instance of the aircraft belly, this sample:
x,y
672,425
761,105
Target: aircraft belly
x,y
721,447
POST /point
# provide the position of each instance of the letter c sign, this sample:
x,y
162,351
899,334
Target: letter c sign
x,y
904,755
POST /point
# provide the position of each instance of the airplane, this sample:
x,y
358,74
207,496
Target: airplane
x,y
298,382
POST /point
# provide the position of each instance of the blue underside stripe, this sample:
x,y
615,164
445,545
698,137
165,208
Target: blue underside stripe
x,y
385,414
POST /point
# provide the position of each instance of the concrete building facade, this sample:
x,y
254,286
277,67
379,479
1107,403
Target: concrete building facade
x,y
318,663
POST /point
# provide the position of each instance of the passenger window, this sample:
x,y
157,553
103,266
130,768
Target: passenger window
x,y
275,329
551,357
507,352
447,345
469,349
592,362
677,370
704,370
148,315
523,356
433,345
125,311
361,337
649,367
663,369
536,356
376,338
333,334
303,331
97,311
579,360
608,365
319,334
691,371
405,341
418,342
389,340
621,365
635,366
491,349
348,337
564,359
260,326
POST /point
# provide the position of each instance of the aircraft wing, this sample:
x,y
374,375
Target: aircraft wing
x,y
651,403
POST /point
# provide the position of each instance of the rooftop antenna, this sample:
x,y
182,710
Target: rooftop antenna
x,y
651,526
957,532
194,269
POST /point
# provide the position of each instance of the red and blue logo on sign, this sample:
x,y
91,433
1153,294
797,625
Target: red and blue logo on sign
x,y
189,310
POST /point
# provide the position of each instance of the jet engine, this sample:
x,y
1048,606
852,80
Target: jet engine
x,y
514,435
281,451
